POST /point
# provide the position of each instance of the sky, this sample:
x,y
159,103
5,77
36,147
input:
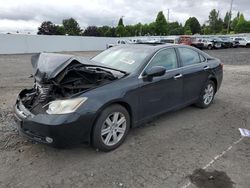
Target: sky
x,y
27,15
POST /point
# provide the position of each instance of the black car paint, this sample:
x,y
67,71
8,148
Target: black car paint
x,y
142,98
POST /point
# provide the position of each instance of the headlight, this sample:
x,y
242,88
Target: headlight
x,y
65,106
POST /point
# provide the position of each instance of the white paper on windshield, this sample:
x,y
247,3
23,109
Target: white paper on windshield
x,y
128,61
244,132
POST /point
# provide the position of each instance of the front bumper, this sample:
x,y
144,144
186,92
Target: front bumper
x,y
66,129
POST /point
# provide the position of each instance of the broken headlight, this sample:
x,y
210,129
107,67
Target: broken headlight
x,y
65,106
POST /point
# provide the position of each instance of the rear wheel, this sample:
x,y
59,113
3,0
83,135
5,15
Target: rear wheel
x,y
111,128
209,47
207,95
248,45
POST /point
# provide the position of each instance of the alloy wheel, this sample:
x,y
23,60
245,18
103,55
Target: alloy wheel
x,y
209,94
113,128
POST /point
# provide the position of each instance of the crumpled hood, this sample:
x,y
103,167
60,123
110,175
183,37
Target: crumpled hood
x,y
48,65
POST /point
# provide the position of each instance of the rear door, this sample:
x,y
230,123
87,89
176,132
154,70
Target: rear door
x,y
195,71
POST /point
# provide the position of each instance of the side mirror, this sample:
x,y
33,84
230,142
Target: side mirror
x,y
155,71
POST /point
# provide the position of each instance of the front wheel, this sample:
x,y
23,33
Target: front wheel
x,y
207,95
111,128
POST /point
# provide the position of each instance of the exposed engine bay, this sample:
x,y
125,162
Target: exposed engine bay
x,y
63,79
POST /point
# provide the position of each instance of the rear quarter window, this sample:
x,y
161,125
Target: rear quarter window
x,y
203,59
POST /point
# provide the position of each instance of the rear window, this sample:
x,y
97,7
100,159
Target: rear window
x,y
189,56
203,59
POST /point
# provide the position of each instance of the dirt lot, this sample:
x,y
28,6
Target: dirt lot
x,y
167,152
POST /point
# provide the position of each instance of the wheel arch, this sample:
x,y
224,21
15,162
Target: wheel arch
x,y
213,79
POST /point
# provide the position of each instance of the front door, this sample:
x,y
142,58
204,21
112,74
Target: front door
x,y
161,93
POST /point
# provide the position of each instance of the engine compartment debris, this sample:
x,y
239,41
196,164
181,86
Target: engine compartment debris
x,y
58,76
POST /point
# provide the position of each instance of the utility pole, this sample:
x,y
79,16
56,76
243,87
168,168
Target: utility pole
x,y
230,15
168,14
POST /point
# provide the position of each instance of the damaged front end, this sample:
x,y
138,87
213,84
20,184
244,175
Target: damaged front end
x,y
59,77
44,113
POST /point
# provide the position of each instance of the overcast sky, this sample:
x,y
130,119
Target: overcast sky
x,y
26,15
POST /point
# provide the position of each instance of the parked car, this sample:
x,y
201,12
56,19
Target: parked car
x,y
207,44
217,42
243,41
119,42
152,41
171,40
185,39
75,99
235,43
197,43
191,41
228,42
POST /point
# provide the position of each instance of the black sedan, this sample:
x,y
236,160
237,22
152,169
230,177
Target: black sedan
x,y
75,99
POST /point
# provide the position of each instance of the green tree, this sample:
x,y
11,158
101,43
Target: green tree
x,y
91,31
120,22
175,28
120,29
47,28
152,28
215,22
110,32
145,30
103,30
242,26
60,30
235,21
72,27
138,28
187,31
193,24
205,30
227,19
161,25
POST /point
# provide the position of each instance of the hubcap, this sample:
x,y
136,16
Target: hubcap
x,y
113,128
209,94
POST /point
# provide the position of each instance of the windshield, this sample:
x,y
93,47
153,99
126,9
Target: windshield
x,y
125,59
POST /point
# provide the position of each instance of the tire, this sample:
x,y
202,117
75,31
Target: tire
x,y
207,95
209,47
248,45
106,127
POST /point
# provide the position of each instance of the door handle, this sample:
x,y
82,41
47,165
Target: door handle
x,y
177,76
206,67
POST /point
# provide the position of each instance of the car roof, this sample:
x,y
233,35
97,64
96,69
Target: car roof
x,y
150,46
154,47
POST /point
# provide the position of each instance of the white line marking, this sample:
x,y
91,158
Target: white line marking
x,y
216,158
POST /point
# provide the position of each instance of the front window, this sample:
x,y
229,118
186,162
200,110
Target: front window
x,y
165,58
125,59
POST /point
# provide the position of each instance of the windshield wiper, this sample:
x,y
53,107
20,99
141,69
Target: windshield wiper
x,y
104,67
89,65
100,69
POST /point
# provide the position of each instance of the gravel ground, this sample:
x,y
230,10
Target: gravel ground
x,y
167,152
